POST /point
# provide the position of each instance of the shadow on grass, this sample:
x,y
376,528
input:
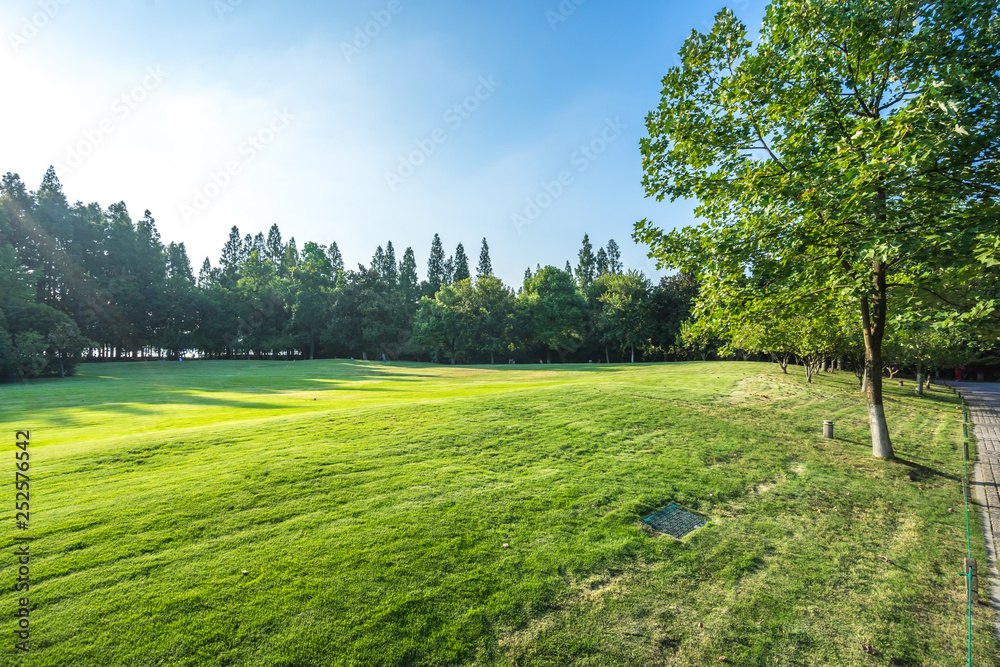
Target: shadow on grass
x,y
203,398
922,473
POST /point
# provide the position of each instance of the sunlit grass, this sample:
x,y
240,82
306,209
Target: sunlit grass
x,y
370,504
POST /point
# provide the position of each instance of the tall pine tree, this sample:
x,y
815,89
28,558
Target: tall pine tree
x,y
601,263
614,258
461,265
378,263
275,250
408,280
232,255
587,263
336,259
390,271
485,268
435,267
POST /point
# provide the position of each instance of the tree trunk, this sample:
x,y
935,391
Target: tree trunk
x,y
881,444
782,361
312,346
491,358
809,371
919,388
873,311
607,357
633,354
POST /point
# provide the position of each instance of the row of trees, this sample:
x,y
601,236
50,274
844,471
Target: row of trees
x,y
78,281
828,337
577,319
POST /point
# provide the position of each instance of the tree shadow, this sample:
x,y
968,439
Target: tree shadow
x,y
922,473
152,404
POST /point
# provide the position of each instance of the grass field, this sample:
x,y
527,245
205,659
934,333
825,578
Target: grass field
x,y
408,514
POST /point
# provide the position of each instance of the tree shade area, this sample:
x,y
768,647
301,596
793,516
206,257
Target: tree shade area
x,y
844,163
79,282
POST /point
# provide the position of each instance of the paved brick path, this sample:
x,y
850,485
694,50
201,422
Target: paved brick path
x,y
984,405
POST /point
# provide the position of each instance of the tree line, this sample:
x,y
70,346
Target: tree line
x,y
80,282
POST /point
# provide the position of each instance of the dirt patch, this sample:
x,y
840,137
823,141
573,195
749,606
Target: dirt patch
x,y
580,598
763,389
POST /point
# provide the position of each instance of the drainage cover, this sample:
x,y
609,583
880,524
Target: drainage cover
x,y
674,521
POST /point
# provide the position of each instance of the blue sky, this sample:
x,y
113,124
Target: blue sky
x,y
351,122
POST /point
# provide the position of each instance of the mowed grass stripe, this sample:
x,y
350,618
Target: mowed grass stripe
x,y
152,397
373,533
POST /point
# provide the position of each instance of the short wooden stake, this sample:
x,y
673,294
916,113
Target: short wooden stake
x,y
971,570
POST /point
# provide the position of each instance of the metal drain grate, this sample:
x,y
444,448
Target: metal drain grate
x,y
674,521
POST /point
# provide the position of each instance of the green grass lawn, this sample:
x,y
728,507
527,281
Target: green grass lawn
x,y
409,514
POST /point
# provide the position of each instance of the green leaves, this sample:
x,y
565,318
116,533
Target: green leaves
x,y
829,145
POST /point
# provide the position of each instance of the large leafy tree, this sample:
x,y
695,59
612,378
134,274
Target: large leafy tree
x,y
179,312
624,316
445,322
494,308
312,284
556,310
384,308
259,300
851,148
670,306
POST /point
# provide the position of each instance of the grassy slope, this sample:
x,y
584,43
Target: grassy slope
x,y
369,504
